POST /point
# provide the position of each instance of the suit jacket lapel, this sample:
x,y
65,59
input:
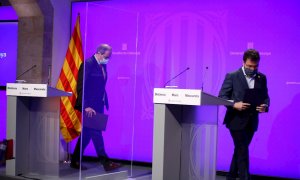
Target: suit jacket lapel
x,y
99,69
243,79
105,71
95,63
257,82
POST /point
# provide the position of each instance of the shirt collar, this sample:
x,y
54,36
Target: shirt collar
x,y
98,61
243,68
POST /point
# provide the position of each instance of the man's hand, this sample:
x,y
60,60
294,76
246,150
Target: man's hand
x,y
240,106
90,112
262,108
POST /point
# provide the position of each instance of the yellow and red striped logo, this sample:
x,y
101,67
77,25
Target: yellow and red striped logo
x,y
70,119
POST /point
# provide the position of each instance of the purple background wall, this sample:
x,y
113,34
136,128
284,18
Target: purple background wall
x,y
8,52
8,13
8,45
154,41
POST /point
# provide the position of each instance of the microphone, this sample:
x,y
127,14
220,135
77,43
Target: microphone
x,y
202,86
176,76
49,75
32,67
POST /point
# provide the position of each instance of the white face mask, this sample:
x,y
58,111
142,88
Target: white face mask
x,y
104,61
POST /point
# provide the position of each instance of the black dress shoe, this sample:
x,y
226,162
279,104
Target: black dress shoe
x,y
110,166
231,177
77,166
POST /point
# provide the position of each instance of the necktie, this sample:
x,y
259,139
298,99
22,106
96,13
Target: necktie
x,y
103,72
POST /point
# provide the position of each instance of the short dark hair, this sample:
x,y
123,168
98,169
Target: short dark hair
x,y
251,54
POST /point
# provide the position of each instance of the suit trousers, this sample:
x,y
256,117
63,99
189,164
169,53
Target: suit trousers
x,y
87,135
97,138
240,159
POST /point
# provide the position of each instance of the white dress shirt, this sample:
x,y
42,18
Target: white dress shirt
x,y
250,80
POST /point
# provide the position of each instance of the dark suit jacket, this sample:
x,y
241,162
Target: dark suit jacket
x,y
91,76
234,88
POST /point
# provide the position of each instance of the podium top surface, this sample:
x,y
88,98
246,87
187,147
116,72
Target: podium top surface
x,y
34,90
193,97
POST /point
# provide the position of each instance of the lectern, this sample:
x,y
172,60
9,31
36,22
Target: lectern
x,y
185,134
33,125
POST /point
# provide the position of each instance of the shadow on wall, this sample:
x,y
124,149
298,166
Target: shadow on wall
x,y
280,147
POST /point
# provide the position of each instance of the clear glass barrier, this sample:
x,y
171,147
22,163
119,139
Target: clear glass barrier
x,y
104,149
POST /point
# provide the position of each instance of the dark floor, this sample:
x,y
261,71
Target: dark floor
x,y
94,169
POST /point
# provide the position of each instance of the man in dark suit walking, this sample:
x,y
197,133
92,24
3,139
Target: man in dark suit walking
x,y
242,118
91,100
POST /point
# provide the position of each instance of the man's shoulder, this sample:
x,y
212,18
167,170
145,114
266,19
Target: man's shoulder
x,y
89,60
234,73
261,75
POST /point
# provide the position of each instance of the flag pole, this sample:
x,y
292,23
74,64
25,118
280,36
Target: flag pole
x,y
68,144
68,158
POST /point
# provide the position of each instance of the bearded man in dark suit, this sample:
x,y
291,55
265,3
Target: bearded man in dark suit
x,y
242,118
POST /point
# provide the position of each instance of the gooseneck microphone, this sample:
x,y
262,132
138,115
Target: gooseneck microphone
x,y
204,76
49,75
176,76
32,67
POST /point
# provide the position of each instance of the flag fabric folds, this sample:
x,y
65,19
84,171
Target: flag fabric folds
x,y
70,119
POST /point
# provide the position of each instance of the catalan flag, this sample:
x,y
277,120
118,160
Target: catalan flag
x,y
70,119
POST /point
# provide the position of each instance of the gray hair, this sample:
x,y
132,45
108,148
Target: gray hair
x,y
102,48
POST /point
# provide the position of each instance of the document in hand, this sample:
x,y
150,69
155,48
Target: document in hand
x,y
97,122
255,97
